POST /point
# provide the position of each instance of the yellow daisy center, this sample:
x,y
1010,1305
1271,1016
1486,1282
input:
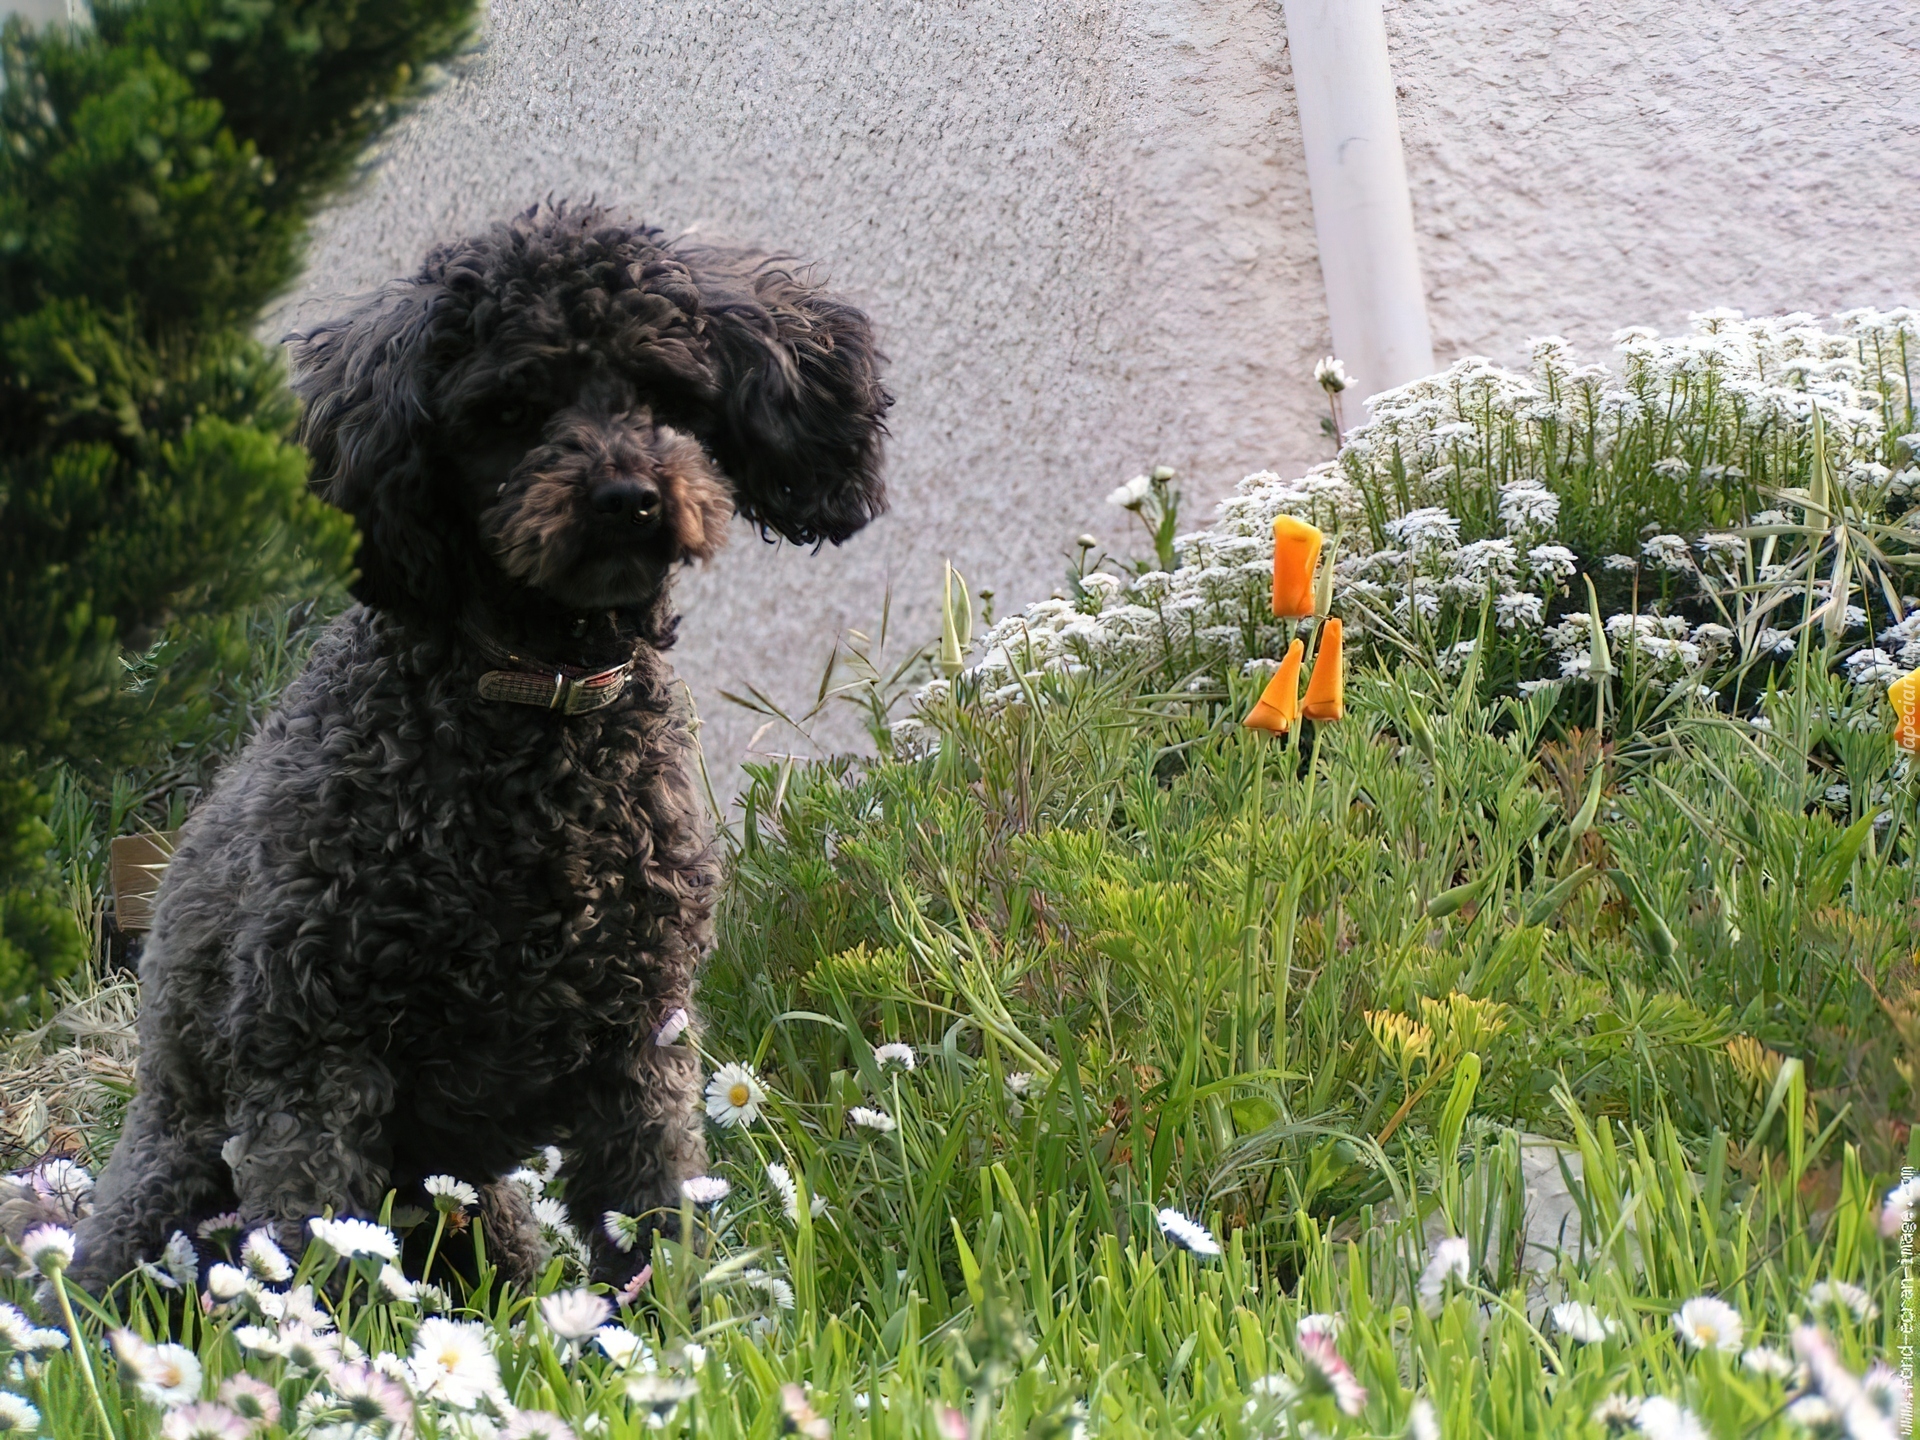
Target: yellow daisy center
x,y
739,1095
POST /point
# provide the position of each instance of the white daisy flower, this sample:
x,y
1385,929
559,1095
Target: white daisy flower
x,y
48,1249
251,1399
1840,1293
772,1286
203,1421
551,1214
1187,1233
781,1179
1762,1360
1331,375
623,1347
351,1239
894,1053
673,1027
706,1190
1450,1261
264,1260
453,1363
1581,1324
1327,1373
537,1425
257,1340
179,1260
17,1415
734,1096
1708,1323
168,1375
394,1284
1319,1323
296,1307
574,1314
306,1348
1663,1419
622,1230
1617,1413
226,1282
529,1180
451,1195
868,1119
1903,1202
1422,1423
1884,1391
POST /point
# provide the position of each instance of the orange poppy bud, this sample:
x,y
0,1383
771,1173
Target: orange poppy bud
x,y
1296,555
1327,687
1904,695
1279,704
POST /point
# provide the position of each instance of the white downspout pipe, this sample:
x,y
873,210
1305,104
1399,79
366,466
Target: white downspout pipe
x,y
1362,213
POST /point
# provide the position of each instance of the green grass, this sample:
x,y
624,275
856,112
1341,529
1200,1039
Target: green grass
x,y
1192,941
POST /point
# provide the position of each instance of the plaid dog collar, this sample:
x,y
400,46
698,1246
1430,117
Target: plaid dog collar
x,y
566,688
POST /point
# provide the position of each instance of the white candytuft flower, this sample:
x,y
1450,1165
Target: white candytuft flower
x,y
537,1425
574,1314
734,1096
1708,1323
48,1249
264,1260
1581,1324
1187,1233
453,1363
451,1195
1019,1082
353,1239
781,1179
1133,494
869,1119
894,1053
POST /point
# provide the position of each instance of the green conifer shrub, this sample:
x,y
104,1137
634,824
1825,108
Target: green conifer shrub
x,y
158,170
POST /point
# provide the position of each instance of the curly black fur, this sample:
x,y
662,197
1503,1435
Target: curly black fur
x,y
416,931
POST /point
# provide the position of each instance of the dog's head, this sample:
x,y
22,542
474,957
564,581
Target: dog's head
x,y
575,405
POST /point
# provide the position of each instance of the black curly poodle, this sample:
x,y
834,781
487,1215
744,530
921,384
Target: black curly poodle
x,y
437,914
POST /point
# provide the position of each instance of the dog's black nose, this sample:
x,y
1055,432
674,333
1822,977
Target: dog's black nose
x,y
625,498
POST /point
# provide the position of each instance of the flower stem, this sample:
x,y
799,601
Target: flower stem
x,y
80,1350
439,1229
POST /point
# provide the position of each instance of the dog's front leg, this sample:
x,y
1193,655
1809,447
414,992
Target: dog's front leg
x,y
308,1140
636,1138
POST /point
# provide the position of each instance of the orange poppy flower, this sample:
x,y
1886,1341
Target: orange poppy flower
x,y
1296,555
1327,687
1904,695
1279,704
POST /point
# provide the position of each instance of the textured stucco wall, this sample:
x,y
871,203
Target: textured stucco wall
x,y
1084,230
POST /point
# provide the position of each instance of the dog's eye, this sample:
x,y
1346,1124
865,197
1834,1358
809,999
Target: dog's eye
x,y
510,417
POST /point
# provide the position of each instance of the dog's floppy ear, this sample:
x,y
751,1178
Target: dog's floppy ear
x,y
360,376
799,415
